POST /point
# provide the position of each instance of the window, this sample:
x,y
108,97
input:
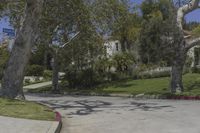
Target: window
x,y
117,46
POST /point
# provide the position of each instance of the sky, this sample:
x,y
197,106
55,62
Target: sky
x,y
194,16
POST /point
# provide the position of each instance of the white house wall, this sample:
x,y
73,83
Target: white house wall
x,y
111,47
191,54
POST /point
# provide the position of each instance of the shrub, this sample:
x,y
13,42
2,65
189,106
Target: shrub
x,y
87,78
34,70
47,74
118,76
27,81
154,75
123,61
155,72
195,70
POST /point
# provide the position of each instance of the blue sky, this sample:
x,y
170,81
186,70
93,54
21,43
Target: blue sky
x,y
194,16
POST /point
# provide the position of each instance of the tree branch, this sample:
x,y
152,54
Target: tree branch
x,y
70,40
193,43
182,11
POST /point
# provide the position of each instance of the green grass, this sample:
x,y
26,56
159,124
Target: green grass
x,y
25,109
156,86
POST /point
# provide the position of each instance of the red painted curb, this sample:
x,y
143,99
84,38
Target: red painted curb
x,y
58,116
184,97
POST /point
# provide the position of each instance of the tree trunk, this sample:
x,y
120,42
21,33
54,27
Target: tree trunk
x,y
12,83
55,78
176,84
181,51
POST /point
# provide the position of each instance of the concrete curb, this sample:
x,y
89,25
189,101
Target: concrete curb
x,y
141,96
57,125
59,119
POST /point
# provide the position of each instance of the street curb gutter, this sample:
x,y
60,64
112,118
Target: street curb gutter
x,y
59,119
57,125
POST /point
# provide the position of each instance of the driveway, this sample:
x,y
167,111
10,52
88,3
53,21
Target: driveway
x,y
123,115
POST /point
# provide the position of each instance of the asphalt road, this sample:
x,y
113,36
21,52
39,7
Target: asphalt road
x,y
124,115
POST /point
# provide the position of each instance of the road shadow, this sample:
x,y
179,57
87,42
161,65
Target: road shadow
x,y
79,107
86,106
149,106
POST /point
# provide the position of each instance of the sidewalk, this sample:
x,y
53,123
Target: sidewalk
x,y
14,125
38,85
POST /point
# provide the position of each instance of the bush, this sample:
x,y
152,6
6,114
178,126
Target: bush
x,y
137,74
34,70
47,74
118,76
154,75
195,70
27,81
87,78
123,61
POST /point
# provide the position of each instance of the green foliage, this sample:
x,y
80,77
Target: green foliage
x,y
37,58
117,76
34,70
154,75
27,81
195,70
196,31
155,86
188,62
159,32
86,78
47,74
149,71
123,61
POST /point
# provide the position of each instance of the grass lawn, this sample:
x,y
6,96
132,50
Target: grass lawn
x,y
25,109
145,86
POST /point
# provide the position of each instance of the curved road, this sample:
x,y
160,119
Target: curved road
x,y
123,115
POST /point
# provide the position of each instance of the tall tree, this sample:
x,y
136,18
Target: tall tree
x,y
157,16
185,43
12,82
173,34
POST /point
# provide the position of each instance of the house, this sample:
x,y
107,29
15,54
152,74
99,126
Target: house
x,y
194,54
112,47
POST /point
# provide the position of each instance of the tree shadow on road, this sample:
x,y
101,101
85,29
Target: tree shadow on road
x,y
80,107
149,106
87,107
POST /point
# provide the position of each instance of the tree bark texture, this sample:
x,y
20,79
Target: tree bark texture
x,y
12,83
176,84
177,71
55,78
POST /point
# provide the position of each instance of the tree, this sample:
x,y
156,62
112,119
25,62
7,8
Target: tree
x,y
170,34
12,82
58,28
156,25
185,43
